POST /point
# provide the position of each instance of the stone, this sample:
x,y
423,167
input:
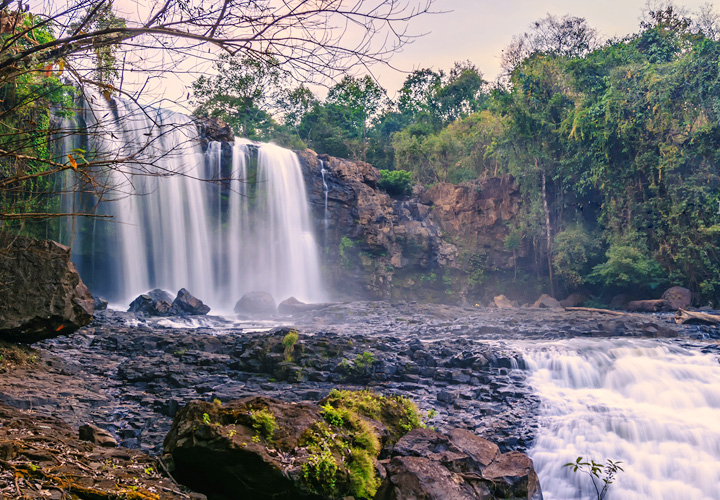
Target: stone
x,y
156,302
456,465
185,303
678,297
502,302
513,475
41,293
292,306
256,303
547,302
100,303
573,300
655,305
95,434
214,129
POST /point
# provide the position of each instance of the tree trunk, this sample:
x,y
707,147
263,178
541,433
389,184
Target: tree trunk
x,y
548,233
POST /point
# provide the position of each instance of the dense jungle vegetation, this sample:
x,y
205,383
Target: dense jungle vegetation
x,y
615,146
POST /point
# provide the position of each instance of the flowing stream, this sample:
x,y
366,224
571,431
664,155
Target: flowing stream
x,y
655,406
223,222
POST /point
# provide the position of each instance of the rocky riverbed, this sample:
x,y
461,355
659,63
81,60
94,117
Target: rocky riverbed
x,y
130,374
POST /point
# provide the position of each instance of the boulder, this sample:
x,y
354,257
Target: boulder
x,y
573,300
153,303
41,293
547,302
100,303
502,302
185,303
456,465
256,303
214,129
95,434
619,301
513,476
678,297
655,305
293,306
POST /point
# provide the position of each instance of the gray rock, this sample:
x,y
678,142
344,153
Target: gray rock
x,y
678,297
41,293
502,302
185,303
153,303
256,303
547,302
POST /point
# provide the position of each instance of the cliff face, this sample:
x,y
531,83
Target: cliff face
x,y
446,243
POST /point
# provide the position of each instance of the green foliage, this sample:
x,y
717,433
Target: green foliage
x,y
574,249
343,447
206,419
244,94
395,182
263,421
289,342
628,265
602,476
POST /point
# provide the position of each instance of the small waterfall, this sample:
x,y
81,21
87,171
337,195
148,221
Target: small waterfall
x,y
654,407
172,228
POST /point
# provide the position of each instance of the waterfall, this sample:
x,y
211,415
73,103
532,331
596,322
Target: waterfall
x,y
654,407
183,218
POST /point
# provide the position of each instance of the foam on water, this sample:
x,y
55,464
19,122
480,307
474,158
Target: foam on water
x,y
655,407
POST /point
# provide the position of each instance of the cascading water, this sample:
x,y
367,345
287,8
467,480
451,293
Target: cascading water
x,y
654,407
173,229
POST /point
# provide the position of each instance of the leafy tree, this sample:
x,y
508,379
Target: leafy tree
x,y
243,94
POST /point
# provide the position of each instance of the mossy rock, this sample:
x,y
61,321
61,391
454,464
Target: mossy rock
x,y
261,448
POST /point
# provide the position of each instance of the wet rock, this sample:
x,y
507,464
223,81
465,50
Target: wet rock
x,y
153,303
256,303
41,293
547,302
678,297
95,434
649,305
185,303
100,303
502,302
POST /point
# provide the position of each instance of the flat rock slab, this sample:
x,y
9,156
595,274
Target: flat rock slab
x,y
43,458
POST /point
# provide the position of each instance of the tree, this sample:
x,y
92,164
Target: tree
x,y
566,36
243,93
93,50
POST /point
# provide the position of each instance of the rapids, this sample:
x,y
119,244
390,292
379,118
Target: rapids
x,y
654,406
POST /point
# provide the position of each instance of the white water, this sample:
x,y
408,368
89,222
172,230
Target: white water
x,y
173,229
655,407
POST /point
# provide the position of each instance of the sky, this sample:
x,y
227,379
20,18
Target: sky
x,y
474,30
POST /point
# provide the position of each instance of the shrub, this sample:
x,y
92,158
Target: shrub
x,y
289,342
396,182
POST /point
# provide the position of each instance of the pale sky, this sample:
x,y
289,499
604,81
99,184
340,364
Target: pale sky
x,y
474,30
